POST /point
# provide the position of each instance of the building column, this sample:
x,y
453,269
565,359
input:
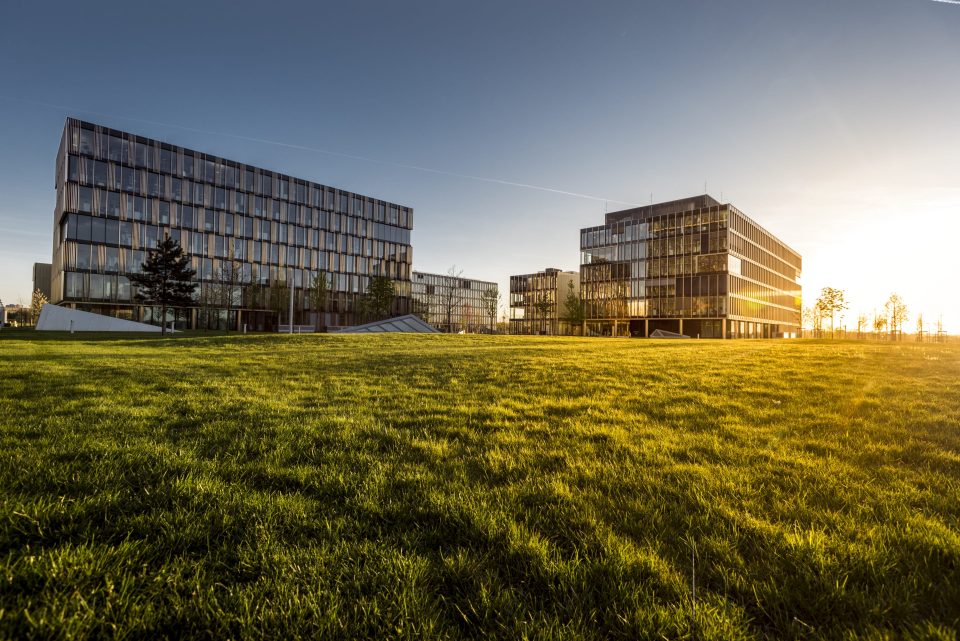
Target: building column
x,y
723,329
681,325
646,328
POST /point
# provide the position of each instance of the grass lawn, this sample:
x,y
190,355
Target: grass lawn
x,y
477,487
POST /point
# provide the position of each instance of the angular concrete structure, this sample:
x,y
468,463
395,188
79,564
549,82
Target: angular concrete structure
x,y
408,324
54,318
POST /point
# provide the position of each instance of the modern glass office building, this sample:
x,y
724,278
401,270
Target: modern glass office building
x,y
251,233
537,301
694,266
453,303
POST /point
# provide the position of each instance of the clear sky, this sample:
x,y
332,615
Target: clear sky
x,y
832,123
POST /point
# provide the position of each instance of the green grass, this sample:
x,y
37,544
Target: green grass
x,y
477,487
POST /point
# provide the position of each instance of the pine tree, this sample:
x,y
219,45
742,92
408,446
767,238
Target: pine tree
x,y
166,279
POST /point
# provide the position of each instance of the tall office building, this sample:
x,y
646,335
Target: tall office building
x,y
537,302
250,233
42,278
694,266
454,303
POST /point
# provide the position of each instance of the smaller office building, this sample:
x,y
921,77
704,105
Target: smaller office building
x,y
693,266
453,303
537,302
43,278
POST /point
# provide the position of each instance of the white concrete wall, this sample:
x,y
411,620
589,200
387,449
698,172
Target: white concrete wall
x,y
54,318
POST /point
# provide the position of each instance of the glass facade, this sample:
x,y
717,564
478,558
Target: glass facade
x,y
251,234
537,301
453,303
692,266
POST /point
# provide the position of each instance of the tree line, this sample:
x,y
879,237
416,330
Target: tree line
x,y
832,303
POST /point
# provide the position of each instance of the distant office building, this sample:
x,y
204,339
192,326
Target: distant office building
x,y
42,278
537,301
693,266
249,232
454,303
15,315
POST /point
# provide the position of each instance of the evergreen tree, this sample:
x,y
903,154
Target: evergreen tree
x,y
165,279
573,311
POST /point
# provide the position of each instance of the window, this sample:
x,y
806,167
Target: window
x,y
115,149
112,259
140,154
266,185
112,234
73,170
126,233
74,285
100,174
86,142
139,208
123,288
187,169
98,230
153,185
166,161
85,203
83,228
127,180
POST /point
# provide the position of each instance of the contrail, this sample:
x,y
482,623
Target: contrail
x,y
948,1
339,154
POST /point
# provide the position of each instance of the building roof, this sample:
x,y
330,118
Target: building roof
x,y
659,209
408,324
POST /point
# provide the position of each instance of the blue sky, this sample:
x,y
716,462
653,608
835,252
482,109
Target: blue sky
x,y
833,124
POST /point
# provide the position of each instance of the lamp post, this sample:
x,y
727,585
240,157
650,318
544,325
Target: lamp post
x,y
291,300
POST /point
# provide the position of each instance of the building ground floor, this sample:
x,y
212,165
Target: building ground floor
x,y
693,327
251,320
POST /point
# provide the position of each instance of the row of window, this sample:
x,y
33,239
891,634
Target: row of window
x,y
761,257
209,253
747,308
79,286
789,299
682,306
441,281
142,235
756,235
704,221
128,208
220,173
131,207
